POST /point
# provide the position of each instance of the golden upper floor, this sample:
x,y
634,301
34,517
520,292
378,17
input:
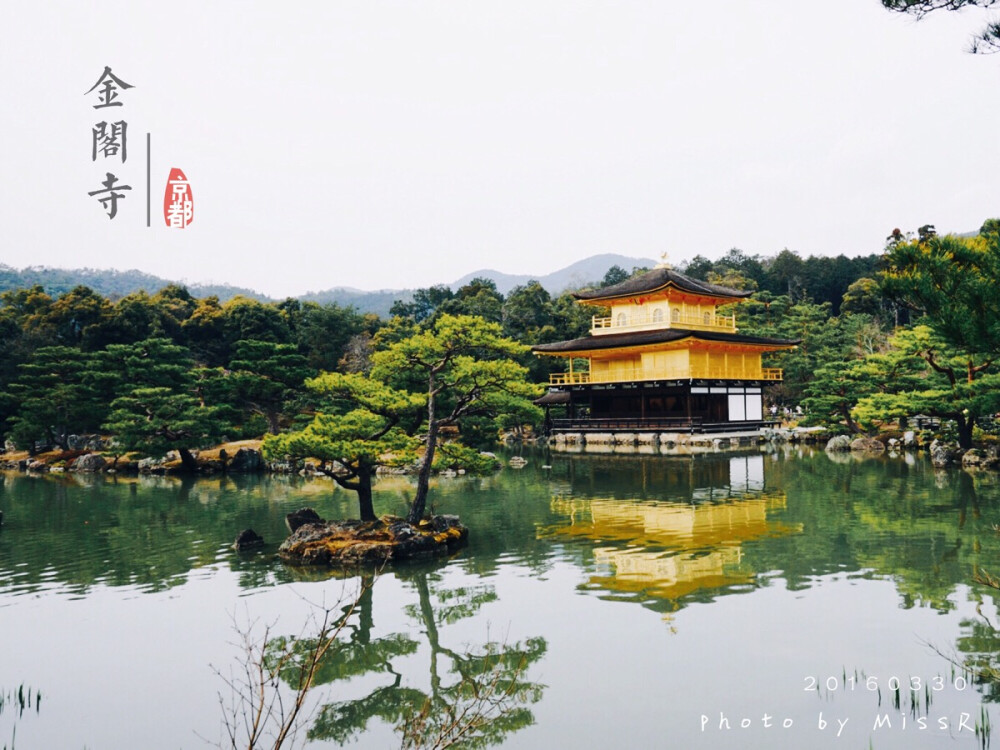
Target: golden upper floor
x,y
658,364
662,298
663,325
662,314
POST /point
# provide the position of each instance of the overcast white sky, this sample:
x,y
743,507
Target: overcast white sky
x,y
399,144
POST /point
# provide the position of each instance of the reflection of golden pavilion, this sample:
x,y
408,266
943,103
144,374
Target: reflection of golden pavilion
x,y
669,550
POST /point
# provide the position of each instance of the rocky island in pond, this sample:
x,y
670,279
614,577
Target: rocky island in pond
x,y
315,541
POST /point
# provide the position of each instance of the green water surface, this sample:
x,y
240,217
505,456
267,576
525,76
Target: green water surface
x,y
734,600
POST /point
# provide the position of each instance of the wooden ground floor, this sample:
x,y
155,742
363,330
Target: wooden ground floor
x,y
677,406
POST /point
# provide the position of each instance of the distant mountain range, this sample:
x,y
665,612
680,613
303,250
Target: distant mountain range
x,y
587,271
117,284
110,283
583,272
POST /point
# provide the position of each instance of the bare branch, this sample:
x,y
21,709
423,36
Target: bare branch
x,y
257,712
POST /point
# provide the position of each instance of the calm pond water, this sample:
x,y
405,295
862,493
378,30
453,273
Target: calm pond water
x,y
727,601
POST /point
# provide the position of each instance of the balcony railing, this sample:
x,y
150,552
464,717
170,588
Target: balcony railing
x,y
644,321
654,424
569,378
628,375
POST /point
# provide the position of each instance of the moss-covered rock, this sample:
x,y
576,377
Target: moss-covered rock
x,y
867,445
838,443
943,454
390,539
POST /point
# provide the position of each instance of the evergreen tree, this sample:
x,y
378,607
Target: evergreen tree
x,y
478,298
465,367
153,421
421,380
953,388
158,406
264,377
358,432
53,397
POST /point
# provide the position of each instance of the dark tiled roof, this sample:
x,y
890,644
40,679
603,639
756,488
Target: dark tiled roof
x,y
553,397
657,279
661,336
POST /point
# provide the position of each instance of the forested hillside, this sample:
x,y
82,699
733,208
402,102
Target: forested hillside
x,y
82,361
110,283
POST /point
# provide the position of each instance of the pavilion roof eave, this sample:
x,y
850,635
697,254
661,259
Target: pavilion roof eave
x,y
655,281
665,292
644,340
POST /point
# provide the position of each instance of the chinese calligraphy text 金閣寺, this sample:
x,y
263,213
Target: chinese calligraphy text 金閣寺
x,y
109,139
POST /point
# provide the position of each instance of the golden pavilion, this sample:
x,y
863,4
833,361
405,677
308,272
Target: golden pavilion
x,y
665,359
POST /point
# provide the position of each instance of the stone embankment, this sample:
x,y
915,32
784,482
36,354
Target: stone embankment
x,y
679,442
243,457
98,456
941,453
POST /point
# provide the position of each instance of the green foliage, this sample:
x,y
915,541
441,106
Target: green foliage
x,y
473,698
832,394
341,721
953,281
458,368
158,405
944,385
731,279
472,365
140,316
54,398
150,363
788,271
865,297
531,316
735,270
359,431
526,312
75,319
466,368
819,278
424,304
110,283
323,332
478,298
824,339
213,354
153,421
453,455
247,318
346,442
615,275
205,332
264,377
839,392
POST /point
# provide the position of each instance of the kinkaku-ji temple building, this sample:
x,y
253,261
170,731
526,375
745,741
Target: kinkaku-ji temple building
x,y
664,360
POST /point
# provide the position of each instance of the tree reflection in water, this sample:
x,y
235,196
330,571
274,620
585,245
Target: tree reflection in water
x,y
473,698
